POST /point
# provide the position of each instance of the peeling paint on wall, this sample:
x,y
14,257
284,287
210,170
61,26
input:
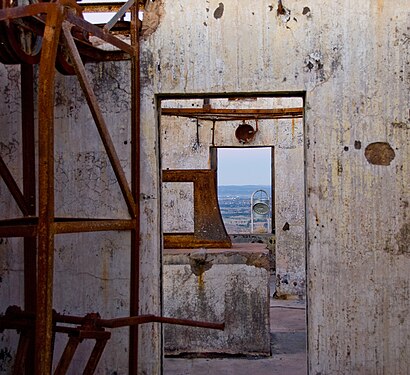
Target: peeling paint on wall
x,y
153,14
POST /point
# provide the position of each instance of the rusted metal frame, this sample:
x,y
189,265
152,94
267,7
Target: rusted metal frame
x,y
44,7
135,187
93,226
45,258
133,320
99,119
25,11
193,241
218,118
234,114
298,111
209,230
22,228
29,191
21,364
100,7
13,187
141,319
124,8
99,32
67,355
95,356
18,230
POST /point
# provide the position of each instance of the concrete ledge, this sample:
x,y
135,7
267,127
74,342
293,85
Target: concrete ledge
x,y
218,285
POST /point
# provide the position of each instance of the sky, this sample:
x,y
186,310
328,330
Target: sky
x,y
244,166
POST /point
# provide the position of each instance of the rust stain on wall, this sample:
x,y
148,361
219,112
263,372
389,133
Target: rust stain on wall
x,y
400,125
403,240
199,264
153,15
379,153
259,261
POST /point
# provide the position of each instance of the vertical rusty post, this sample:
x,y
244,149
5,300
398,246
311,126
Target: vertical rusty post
x,y
135,186
43,357
29,191
29,181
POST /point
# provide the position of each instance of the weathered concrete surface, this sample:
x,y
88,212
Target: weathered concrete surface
x,y
230,286
352,62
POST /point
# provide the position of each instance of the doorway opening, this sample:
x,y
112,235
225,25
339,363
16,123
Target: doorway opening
x,y
213,277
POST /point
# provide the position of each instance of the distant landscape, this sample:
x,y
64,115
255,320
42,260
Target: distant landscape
x,y
235,206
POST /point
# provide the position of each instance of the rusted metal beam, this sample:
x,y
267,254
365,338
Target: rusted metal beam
x,y
192,241
136,320
21,364
25,11
100,7
233,114
13,187
67,356
99,120
90,326
100,33
29,191
95,356
18,231
29,181
124,8
45,257
93,226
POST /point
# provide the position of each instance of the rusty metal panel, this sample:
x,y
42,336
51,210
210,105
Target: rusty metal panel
x,y
209,230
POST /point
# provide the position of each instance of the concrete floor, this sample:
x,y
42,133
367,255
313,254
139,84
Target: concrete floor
x,y
288,343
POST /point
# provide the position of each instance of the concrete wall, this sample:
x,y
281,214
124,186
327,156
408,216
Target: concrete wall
x,y
218,286
351,58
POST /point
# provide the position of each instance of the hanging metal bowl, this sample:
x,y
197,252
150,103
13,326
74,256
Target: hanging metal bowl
x,y
245,133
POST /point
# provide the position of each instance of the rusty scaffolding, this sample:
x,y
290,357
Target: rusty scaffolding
x,y
56,36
